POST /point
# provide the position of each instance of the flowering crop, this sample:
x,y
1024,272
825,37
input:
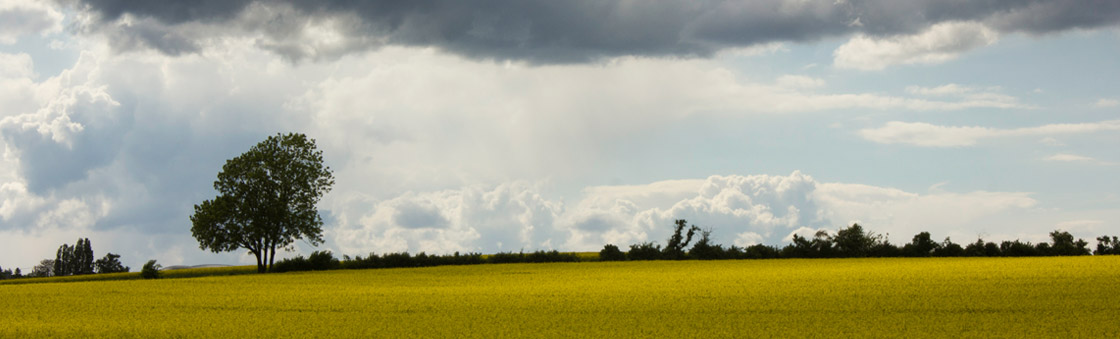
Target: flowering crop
x,y
1021,297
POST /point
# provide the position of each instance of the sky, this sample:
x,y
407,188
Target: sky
x,y
509,125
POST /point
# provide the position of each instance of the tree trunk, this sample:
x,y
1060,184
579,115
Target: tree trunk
x,y
271,257
260,263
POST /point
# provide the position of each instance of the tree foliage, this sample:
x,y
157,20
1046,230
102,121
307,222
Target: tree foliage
x,y
922,245
45,268
266,199
611,252
74,260
677,242
853,241
110,264
150,270
1063,244
1106,245
8,274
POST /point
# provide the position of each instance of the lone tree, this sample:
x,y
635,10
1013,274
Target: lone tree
x,y
266,199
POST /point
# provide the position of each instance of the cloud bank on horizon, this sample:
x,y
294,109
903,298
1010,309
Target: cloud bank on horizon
x,y
510,125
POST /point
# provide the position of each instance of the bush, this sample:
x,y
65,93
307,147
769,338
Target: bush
x,y
550,256
535,257
506,258
611,253
393,260
317,261
1106,245
949,249
644,251
404,259
758,251
1017,249
150,270
705,251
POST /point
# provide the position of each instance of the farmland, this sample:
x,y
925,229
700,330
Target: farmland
x,y
1031,297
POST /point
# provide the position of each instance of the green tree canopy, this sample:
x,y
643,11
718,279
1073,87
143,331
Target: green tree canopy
x,y
266,199
110,264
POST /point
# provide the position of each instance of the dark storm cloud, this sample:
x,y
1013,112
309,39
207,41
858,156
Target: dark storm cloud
x,y
550,31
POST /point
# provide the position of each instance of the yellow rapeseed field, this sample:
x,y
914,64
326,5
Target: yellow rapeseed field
x,y
952,297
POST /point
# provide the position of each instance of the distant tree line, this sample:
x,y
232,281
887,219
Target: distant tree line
x,y
325,260
852,242
71,260
849,242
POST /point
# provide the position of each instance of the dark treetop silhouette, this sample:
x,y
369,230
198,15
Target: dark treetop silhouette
x,y
267,199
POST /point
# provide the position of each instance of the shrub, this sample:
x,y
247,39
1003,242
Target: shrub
x,y
506,258
611,253
322,260
393,260
1017,249
674,249
550,256
644,251
150,270
317,261
704,251
948,249
1106,245
759,251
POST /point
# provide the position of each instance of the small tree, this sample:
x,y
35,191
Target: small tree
x,y
822,244
854,242
45,268
975,249
150,270
611,253
1106,245
800,247
677,242
266,200
704,250
949,249
83,257
1065,245
644,251
63,259
110,264
1017,248
920,246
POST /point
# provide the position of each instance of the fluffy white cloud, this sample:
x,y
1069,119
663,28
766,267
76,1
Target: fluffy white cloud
x,y
930,135
27,17
126,143
937,44
741,210
508,217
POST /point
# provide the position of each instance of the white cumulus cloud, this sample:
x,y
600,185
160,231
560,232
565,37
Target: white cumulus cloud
x,y
939,43
740,210
27,17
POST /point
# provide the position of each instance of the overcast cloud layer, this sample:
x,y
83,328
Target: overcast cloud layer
x,y
544,31
610,119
